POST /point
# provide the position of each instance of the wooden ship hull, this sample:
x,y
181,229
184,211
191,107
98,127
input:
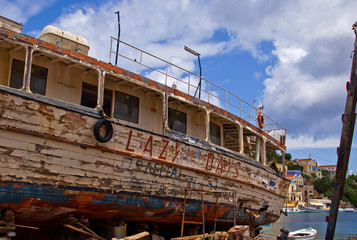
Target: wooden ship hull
x,y
56,160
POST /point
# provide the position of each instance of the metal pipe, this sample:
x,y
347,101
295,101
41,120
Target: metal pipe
x,y
199,64
199,84
116,55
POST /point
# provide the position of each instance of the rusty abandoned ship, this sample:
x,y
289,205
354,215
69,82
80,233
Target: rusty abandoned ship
x,y
83,137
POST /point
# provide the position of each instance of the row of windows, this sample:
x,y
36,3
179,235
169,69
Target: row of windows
x,y
38,77
126,107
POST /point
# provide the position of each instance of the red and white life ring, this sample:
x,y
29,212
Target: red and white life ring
x,y
260,119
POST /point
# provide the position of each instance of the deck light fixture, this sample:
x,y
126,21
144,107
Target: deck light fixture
x,y
199,63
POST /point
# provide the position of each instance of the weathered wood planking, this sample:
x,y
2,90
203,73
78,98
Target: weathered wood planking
x,y
140,144
42,144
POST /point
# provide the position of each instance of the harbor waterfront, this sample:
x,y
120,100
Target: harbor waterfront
x,y
345,226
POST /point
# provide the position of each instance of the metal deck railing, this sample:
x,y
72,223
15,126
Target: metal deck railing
x,y
172,75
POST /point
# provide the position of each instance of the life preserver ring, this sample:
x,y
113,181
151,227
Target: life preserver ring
x,y
260,119
108,130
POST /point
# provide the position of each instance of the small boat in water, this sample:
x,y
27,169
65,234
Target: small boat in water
x,y
306,234
346,210
301,234
292,210
313,209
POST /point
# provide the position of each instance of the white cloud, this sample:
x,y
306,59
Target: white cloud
x,y
306,142
22,10
290,54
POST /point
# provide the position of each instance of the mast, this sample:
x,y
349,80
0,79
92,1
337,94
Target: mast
x,y
348,123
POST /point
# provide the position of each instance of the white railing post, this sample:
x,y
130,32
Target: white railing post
x,y
189,82
110,52
141,61
167,69
209,91
226,100
240,108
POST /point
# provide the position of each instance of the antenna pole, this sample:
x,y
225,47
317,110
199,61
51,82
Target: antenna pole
x,y
199,64
199,85
116,55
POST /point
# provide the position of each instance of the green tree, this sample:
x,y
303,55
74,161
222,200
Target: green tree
x,y
350,191
274,156
293,165
325,172
288,156
323,185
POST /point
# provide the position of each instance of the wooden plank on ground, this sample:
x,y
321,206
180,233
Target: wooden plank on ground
x,y
133,237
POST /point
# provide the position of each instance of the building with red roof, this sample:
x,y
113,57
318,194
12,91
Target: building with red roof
x,y
310,166
295,193
330,168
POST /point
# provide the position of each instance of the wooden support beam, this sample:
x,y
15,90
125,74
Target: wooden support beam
x,y
23,226
83,232
257,148
133,237
207,137
263,154
241,139
193,237
27,70
100,96
348,124
192,222
249,145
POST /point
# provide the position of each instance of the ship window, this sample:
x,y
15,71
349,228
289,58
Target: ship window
x,y
38,77
126,107
215,133
89,97
177,120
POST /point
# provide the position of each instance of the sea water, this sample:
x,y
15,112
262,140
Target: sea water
x,y
346,224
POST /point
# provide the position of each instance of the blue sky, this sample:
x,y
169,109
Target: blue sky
x,y
291,56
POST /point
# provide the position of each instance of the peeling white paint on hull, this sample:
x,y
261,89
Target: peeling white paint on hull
x,y
45,149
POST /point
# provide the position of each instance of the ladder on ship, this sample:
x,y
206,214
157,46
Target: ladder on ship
x,y
203,192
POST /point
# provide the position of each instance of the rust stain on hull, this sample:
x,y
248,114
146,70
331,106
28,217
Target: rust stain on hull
x,y
126,206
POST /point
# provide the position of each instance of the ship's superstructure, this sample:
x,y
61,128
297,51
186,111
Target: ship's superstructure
x,y
84,137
